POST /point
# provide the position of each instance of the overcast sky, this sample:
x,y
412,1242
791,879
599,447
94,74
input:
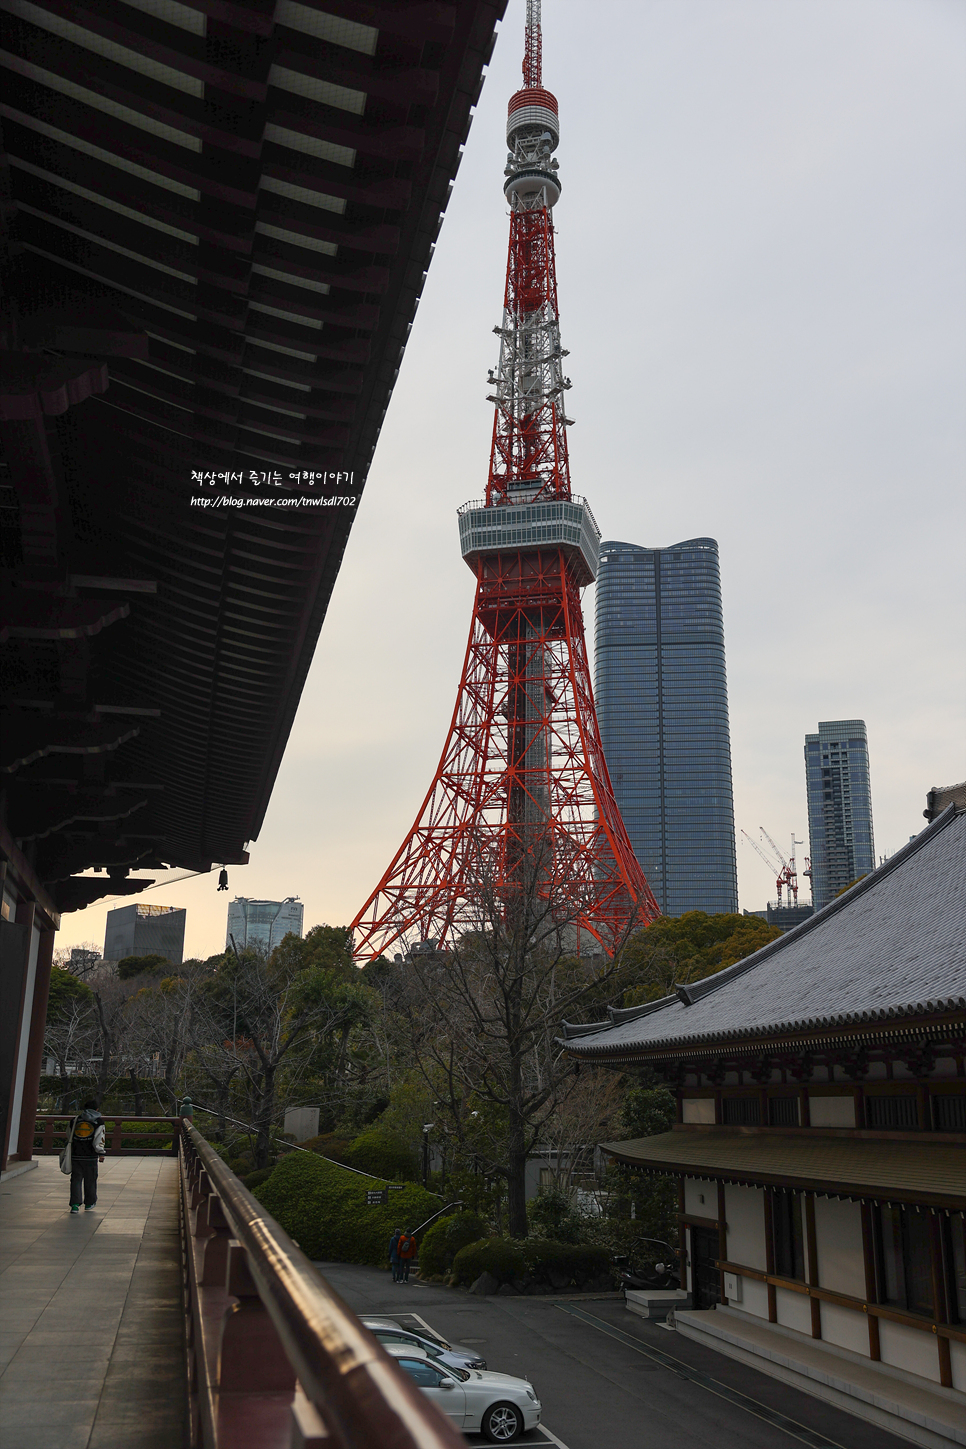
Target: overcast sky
x,y
760,250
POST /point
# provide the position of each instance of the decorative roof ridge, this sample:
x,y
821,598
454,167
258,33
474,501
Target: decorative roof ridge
x,y
631,1013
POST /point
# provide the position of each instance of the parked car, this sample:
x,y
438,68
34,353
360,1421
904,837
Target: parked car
x,y
388,1331
478,1401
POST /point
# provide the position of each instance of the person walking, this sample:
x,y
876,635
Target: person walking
x,y
394,1254
407,1252
86,1152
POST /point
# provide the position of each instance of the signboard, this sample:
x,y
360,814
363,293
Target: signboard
x,y
377,1199
396,1187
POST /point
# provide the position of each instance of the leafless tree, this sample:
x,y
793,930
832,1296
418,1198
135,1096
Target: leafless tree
x,y
69,1037
484,1018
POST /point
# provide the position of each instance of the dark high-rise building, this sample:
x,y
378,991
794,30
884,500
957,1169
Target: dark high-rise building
x,y
145,931
662,701
839,807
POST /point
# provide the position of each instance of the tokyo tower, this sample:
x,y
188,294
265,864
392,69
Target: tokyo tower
x,y
522,776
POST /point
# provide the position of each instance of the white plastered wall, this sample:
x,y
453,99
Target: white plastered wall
x,y
957,1359
793,1310
21,1067
745,1217
698,1109
909,1349
694,1191
841,1267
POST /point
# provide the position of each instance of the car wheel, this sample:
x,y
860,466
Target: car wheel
x,y
502,1423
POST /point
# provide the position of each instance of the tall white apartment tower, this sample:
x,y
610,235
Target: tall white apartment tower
x,y
839,806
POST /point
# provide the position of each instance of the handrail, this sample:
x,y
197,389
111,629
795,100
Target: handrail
x,y
360,1393
47,1129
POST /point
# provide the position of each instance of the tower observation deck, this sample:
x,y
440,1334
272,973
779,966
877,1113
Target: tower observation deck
x,y
521,799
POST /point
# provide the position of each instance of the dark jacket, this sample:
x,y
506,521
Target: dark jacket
x,y
87,1139
394,1246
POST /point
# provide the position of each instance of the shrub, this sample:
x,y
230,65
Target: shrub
x,y
537,1260
329,1144
498,1256
324,1209
444,1240
558,1265
551,1213
384,1155
256,1178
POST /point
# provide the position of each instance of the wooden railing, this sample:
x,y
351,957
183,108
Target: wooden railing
x,y
275,1357
53,1127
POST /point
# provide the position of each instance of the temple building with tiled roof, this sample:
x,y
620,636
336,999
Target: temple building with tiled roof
x,y
820,1146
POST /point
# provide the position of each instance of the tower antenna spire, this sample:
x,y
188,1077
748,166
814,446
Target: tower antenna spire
x,y
533,51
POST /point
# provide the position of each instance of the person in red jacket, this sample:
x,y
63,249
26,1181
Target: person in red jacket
x,y
407,1252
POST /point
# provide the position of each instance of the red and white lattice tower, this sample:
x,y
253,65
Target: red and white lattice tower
x,y
523,760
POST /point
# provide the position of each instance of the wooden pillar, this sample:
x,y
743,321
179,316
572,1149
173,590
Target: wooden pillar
x,y
871,1289
768,1196
811,1267
806,1109
940,1305
683,1237
722,1241
35,1044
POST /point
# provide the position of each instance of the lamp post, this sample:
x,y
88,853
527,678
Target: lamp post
x,y
427,1128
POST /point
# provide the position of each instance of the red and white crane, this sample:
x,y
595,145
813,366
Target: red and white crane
x,y
786,870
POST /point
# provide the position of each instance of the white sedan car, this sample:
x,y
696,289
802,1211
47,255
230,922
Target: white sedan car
x,y
477,1400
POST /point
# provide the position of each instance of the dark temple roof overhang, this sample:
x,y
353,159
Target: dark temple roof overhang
x,y
926,1173
216,230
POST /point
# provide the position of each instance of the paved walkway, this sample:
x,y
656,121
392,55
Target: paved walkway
x,y
91,1340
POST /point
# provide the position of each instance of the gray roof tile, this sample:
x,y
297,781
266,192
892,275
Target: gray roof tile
x,y
894,946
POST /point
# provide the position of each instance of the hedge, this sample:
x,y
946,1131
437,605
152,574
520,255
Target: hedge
x,y
534,1260
323,1208
498,1256
383,1155
445,1239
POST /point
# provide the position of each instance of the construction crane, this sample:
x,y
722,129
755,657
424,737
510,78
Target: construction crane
x,y
786,870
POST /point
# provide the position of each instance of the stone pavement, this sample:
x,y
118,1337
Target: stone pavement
x,y
91,1335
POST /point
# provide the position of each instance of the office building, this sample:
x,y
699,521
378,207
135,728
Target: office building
x,y
662,702
262,923
145,931
839,807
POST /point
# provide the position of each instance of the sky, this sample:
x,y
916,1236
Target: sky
x,y
760,261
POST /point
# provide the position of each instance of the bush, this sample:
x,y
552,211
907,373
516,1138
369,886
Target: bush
x,y
383,1155
561,1265
256,1178
445,1239
535,1261
498,1256
552,1214
324,1209
329,1144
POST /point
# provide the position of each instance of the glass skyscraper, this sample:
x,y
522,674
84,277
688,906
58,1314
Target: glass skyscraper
x,y
839,806
662,702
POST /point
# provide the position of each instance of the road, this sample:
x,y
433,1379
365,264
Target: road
x,y
610,1380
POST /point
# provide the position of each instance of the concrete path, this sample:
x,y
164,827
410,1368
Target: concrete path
x,y
91,1338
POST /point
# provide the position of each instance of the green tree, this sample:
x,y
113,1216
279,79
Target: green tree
x,y
271,1020
130,966
687,948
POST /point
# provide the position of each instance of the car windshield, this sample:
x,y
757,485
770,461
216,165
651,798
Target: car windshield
x,y
385,1336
